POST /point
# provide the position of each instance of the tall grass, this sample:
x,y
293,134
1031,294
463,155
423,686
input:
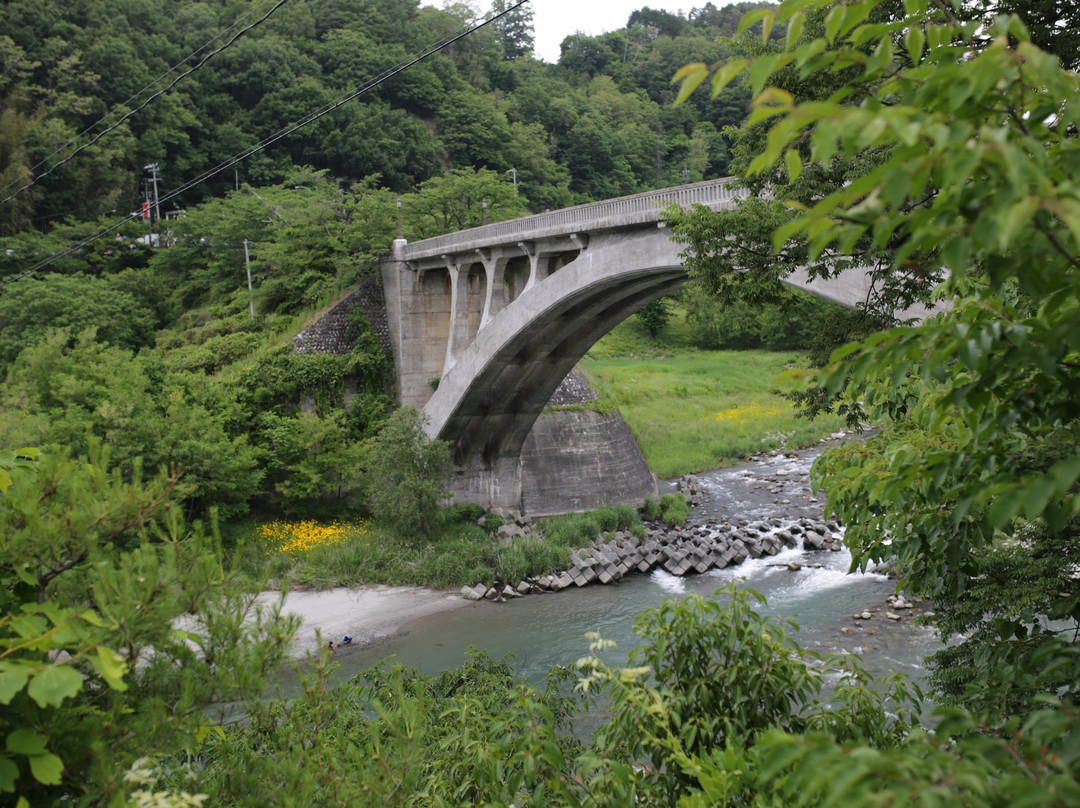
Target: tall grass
x,y
705,409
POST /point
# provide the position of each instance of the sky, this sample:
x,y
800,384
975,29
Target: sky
x,y
554,20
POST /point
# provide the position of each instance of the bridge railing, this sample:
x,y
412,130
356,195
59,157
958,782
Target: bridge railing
x,y
625,211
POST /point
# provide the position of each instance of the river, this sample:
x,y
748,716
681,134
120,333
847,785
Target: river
x,y
542,631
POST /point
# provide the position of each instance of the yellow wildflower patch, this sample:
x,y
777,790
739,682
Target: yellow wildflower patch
x,y
749,412
302,537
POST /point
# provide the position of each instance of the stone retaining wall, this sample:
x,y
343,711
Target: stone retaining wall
x,y
334,334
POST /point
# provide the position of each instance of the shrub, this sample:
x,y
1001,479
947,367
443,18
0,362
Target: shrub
x,y
627,517
651,509
572,530
529,557
675,509
606,518
493,522
464,512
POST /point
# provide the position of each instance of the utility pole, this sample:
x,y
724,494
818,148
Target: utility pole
x,y
247,263
154,178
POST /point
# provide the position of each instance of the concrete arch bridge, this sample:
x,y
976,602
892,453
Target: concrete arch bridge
x,y
486,323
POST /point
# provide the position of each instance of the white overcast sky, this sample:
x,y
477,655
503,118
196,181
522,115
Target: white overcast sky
x,y
554,20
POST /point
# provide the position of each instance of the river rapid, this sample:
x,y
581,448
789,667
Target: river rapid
x,y
821,596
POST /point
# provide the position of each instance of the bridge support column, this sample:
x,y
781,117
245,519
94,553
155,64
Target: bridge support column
x,y
494,483
494,269
457,338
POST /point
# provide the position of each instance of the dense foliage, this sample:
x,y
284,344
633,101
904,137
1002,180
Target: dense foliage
x,y
83,106
121,633
955,139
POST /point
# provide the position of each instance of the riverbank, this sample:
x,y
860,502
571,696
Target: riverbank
x,y
370,615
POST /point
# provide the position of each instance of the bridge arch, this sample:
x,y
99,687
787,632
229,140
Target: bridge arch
x,y
553,285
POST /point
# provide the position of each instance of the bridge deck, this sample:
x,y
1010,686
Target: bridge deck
x,y
626,211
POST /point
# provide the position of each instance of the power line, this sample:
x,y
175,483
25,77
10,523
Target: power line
x,y
173,83
267,141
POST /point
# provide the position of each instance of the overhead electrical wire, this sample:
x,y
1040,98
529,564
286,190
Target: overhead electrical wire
x,y
271,139
130,113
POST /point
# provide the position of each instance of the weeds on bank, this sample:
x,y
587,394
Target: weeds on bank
x,y
362,552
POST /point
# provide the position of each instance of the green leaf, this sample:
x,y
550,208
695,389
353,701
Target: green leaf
x,y
1037,496
25,741
1066,472
1005,508
13,678
47,769
914,40
751,17
9,773
111,666
833,22
794,164
691,76
762,68
54,684
722,77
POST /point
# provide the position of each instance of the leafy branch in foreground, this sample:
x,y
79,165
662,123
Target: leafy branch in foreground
x,y
120,631
961,137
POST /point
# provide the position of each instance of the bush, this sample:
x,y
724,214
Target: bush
x,y
572,530
606,518
626,516
493,522
528,558
464,513
651,509
675,509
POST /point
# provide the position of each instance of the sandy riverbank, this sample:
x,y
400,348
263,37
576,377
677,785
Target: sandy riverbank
x,y
370,615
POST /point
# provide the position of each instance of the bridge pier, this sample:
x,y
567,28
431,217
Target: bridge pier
x,y
493,483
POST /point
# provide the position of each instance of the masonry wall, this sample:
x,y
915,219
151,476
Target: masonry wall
x,y
334,334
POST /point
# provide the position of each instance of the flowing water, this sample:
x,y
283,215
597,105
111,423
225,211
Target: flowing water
x,y
821,596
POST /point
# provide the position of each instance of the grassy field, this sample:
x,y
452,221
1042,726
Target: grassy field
x,y
692,410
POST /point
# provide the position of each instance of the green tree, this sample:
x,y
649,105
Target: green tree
x,y
456,201
514,29
70,394
32,307
320,461
110,655
964,137
407,473
656,316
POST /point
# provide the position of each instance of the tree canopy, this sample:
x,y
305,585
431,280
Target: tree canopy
x,y
957,139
